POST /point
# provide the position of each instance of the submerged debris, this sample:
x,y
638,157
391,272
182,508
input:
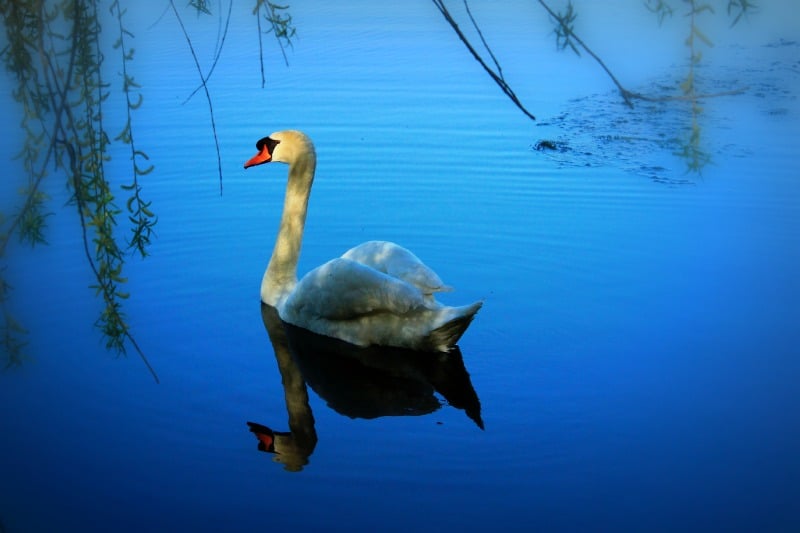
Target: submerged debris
x,y
546,144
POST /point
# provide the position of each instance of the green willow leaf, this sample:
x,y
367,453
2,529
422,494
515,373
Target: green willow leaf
x,y
702,36
143,171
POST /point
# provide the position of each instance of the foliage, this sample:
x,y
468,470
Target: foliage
x,y
280,25
739,8
11,331
566,37
564,30
142,219
201,6
692,150
56,58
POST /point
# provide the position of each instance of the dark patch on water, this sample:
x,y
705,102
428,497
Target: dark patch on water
x,y
546,144
599,130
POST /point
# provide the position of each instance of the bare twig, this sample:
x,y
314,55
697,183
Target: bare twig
x,y
205,88
217,53
496,76
260,45
485,44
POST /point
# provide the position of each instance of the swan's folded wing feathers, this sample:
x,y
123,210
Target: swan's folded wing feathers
x,y
343,289
398,262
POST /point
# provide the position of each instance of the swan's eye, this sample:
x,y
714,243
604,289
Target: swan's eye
x,y
269,142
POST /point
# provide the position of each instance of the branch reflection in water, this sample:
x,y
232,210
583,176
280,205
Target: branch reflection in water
x,y
356,382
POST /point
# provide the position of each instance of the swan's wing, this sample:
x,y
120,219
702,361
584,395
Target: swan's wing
x,y
396,261
343,289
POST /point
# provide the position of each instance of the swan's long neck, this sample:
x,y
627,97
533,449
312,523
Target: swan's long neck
x,y
281,274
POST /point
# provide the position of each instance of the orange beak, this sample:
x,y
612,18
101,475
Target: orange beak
x,y
265,436
260,158
266,442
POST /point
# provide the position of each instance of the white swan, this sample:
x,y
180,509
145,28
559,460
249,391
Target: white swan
x,y
377,293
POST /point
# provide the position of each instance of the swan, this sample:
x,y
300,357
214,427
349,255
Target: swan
x,y
377,293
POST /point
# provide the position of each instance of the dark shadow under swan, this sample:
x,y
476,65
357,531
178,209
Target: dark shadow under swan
x,y
357,382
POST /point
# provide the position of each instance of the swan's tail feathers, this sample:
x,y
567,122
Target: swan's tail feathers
x,y
446,336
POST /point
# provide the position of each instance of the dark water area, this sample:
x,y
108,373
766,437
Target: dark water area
x,y
634,365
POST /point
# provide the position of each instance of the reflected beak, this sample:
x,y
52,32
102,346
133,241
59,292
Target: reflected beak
x,y
266,442
260,158
265,436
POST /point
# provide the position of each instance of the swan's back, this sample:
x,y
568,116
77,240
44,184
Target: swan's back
x,y
396,261
377,293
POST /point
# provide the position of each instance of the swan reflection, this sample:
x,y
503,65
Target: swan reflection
x,y
356,382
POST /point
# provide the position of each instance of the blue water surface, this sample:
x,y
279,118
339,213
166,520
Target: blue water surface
x,y
635,363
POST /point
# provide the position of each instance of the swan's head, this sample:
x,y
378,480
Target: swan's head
x,y
288,146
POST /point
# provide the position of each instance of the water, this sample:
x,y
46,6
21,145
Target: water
x,y
635,361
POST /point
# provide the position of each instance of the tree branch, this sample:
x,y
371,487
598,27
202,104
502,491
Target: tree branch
x,y
627,95
496,76
205,88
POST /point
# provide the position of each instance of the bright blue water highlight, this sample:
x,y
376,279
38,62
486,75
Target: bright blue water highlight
x,y
636,358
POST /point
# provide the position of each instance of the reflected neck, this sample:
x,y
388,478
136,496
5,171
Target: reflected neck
x,y
281,274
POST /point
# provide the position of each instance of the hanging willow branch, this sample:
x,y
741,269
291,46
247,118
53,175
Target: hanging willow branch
x,y
30,221
112,321
140,215
55,55
280,25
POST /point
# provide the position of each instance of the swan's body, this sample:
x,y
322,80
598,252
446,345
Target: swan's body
x,y
377,293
